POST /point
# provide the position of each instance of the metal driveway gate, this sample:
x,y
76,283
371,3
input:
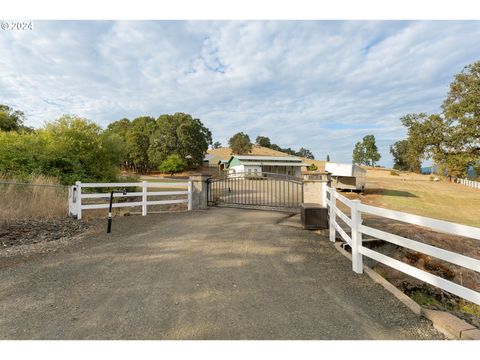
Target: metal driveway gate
x,y
256,190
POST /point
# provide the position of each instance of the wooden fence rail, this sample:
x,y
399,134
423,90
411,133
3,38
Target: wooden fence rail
x,y
76,195
355,223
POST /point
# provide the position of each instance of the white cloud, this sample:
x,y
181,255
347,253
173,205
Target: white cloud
x,y
318,84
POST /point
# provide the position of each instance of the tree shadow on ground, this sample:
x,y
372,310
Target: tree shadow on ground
x,y
388,192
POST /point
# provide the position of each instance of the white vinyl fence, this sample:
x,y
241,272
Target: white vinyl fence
x,y
358,250
470,183
76,195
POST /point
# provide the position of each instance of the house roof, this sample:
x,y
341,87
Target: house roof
x,y
210,157
266,160
266,163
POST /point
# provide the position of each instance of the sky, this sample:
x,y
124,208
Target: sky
x,y
322,85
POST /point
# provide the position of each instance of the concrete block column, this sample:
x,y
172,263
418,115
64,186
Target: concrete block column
x,y
314,187
199,191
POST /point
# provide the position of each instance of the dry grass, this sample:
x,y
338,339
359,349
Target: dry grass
x,y
416,194
19,202
444,200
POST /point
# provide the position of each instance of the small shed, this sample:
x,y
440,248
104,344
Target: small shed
x,y
347,176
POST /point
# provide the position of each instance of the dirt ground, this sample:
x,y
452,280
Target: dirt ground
x,y
213,274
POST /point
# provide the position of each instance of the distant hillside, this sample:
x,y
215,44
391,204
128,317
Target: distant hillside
x,y
225,153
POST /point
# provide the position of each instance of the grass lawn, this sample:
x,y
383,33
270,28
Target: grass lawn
x,y
416,194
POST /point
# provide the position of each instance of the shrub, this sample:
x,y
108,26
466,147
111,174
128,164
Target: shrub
x,y
173,164
394,173
69,149
312,167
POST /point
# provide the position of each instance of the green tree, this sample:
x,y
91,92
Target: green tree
x,y
305,153
429,137
22,154
121,128
138,143
461,110
217,145
328,157
451,139
371,151
405,156
461,113
399,153
11,120
263,141
172,164
179,134
358,156
276,147
240,144
78,149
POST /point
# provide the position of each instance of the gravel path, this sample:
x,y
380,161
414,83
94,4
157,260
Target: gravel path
x,y
213,274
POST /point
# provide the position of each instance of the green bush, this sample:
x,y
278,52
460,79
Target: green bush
x,y
312,167
173,164
70,149
394,173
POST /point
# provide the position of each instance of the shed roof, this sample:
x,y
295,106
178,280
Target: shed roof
x,y
266,158
211,156
266,163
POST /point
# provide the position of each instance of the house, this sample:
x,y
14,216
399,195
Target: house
x,y
251,164
347,176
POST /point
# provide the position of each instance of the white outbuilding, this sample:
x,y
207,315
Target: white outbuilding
x,y
347,176
251,164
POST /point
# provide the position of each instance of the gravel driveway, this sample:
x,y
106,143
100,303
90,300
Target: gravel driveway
x,y
213,274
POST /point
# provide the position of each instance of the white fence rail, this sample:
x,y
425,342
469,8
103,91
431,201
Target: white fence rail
x,y
355,223
76,195
470,183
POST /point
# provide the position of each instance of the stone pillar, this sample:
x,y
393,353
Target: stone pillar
x,y
314,187
199,191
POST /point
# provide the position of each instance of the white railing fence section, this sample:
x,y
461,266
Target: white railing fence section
x,y
76,195
355,223
469,183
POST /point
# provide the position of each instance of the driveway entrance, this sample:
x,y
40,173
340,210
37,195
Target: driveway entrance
x,y
256,190
213,274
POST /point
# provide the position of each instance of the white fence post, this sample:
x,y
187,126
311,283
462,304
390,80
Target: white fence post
x,y
189,195
79,199
144,198
356,216
332,214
